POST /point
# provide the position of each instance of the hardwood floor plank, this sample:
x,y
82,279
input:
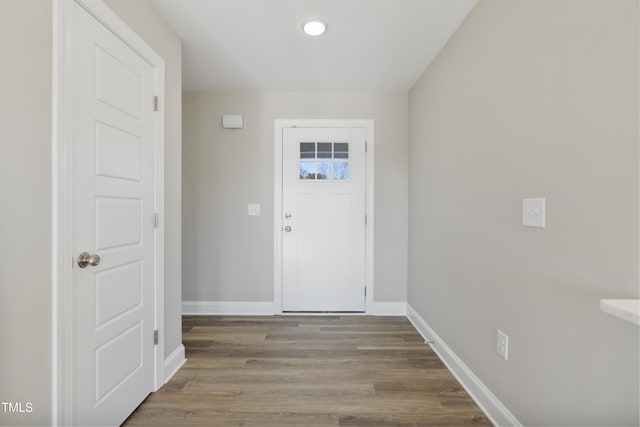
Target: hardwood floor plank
x,y
289,389
327,371
408,420
162,418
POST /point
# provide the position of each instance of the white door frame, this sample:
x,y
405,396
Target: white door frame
x,y
279,126
62,197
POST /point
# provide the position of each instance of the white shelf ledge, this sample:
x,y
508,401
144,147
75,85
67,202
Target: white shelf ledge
x,y
625,309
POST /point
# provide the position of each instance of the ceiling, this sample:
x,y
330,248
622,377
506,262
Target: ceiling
x,y
369,45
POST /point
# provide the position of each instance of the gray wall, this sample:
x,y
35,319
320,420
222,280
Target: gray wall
x,y
25,188
228,256
25,216
532,99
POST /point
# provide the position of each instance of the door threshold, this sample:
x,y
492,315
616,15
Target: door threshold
x,y
323,313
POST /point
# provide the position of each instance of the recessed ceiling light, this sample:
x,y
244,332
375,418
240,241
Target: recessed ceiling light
x,y
314,28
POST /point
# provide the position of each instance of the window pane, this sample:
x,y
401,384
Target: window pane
x,y
324,170
324,150
308,170
341,171
341,150
307,150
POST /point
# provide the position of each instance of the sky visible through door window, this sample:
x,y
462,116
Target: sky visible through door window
x,y
324,161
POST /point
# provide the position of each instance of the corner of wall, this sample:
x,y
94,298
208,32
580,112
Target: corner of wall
x,y
174,362
480,393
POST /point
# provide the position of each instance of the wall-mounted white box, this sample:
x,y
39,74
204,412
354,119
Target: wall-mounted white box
x,y
533,213
232,121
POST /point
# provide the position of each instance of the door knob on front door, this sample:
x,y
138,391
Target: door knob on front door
x,y
85,258
287,229
287,216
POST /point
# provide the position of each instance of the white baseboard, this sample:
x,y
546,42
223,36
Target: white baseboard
x,y
389,309
227,307
487,401
173,363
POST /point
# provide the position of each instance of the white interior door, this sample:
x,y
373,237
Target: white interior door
x,y
113,218
323,199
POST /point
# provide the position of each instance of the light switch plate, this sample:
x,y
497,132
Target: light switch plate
x,y
254,209
533,213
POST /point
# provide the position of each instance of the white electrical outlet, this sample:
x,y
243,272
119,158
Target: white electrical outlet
x,y
503,345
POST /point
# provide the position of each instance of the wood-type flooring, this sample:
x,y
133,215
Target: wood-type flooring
x,y
308,371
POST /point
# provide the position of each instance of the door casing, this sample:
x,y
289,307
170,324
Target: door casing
x,y
279,126
62,196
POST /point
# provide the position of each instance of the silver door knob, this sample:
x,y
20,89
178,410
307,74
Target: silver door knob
x,y
85,258
287,216
287,228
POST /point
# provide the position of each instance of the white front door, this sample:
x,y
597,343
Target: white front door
x,y
323,217
113,154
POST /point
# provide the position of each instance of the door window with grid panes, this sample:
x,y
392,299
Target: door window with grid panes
x,y
324,161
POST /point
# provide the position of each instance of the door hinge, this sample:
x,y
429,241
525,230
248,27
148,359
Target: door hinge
x,y
365,219
365,291
366,146
155,103
156,221
155,337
